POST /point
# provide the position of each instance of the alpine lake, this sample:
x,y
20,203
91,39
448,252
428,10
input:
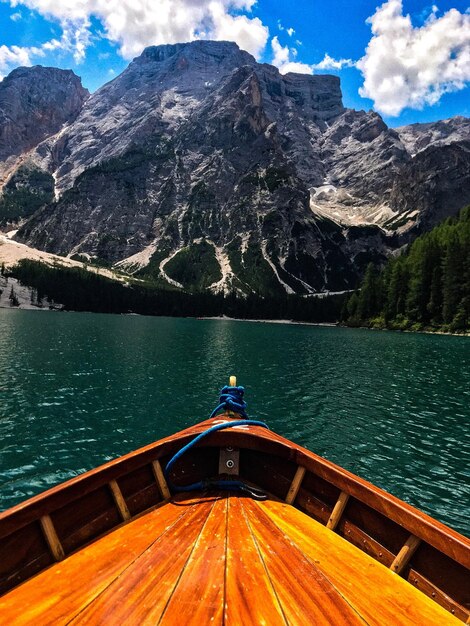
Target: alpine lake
x,y
79,389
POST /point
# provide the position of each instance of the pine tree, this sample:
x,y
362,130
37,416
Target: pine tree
x,y
461,320
423,258
453,273
435,303
370,296
352,307
396,289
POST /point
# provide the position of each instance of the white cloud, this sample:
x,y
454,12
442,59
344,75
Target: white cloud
x,y
15,17
284,60
249,33
289,31
135,24
407,66
328,63
427,13
75,39
15,56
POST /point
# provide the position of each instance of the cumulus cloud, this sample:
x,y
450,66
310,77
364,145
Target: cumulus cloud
x,y
12,56
408,66
284,59
72,40
135,24
249,33
75,38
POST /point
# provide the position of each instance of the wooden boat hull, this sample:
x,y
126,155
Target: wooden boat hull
x,y
306,492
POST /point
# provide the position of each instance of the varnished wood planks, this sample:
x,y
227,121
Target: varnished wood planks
x,y
305,594
59,593
252,438
220,559
376,594
198,597
83,508
249,594
141,593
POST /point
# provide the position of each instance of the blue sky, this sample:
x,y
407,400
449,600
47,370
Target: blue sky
x,y
407,59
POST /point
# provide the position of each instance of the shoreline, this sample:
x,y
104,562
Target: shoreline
x,y
223,318
417,332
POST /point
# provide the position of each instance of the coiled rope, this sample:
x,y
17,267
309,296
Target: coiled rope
x,y
231,399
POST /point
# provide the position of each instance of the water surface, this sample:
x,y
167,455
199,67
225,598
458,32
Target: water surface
x,y
78,389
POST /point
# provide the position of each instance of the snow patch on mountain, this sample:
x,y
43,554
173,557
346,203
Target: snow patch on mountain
x,y
267,258
225,283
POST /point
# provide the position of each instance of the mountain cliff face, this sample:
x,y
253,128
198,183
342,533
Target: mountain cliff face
x,y
204,169
436,186
417,137
35,102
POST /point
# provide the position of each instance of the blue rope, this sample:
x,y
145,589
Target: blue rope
x,y
202,484
231,399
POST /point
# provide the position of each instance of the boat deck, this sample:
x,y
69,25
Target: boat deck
x,y
222,559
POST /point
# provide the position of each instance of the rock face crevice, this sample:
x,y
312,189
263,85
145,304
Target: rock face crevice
x,y
198,149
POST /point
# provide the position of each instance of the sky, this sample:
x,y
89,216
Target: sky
x,y
409,60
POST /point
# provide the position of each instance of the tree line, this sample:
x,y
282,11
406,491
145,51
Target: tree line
x,y
425,288
81,290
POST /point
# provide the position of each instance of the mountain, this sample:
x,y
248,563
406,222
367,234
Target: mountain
x,y
35,102
203,169
438,184
417,137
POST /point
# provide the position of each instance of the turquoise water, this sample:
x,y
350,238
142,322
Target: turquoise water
x,y
78,389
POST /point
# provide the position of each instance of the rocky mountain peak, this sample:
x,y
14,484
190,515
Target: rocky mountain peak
x,y
34,103
159,90
200,50
417,137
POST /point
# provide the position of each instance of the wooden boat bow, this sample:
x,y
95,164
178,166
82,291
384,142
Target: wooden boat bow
x,y
115,546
